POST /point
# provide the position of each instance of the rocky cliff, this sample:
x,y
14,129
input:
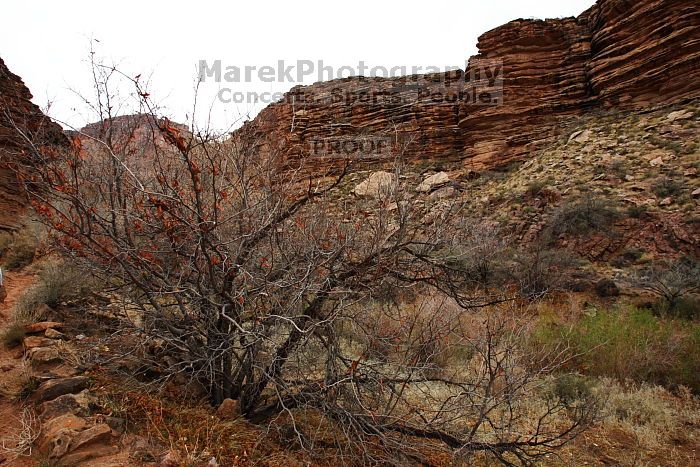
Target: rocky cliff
x,y
19,118
619,53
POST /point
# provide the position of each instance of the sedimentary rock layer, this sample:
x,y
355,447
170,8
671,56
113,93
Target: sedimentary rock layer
x,y
626,53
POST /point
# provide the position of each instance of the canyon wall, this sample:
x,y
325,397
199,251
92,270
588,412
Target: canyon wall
x,y
619,53
18,116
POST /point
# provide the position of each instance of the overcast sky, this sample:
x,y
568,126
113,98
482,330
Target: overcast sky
x,y
47,43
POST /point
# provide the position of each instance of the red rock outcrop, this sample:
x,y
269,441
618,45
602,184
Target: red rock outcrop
x,y
626,53
644,51
18,116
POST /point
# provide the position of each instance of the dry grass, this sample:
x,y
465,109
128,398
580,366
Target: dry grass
x,y
13,335
189,428
22,442
18,249
643,425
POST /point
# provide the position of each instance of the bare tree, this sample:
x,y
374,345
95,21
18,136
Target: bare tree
x,y
248,273
672,280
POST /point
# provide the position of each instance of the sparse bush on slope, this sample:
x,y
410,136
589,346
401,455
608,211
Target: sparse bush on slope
x,y
582,216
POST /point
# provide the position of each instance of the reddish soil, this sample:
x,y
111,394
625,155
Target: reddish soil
x,y
12,374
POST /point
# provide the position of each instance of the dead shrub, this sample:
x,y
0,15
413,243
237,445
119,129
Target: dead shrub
x,y
538,271
674,282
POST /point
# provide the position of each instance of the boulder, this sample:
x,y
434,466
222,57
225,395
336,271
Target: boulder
x,y
433,182
52,389
54,427
100,433
43,355
379,185
679,115
657,161
443,193
77,404
581,136
228,410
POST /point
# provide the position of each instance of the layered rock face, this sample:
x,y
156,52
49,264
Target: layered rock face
x,y
626,53
18,117
644,51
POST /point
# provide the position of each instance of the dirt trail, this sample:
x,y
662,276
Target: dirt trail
x,y
13,371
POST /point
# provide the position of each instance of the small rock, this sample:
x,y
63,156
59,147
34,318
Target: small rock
x,y
42,355
37,328
433,182
607,288
696,193
378,185
80,337
443,193
52,389
89,452
6,368
228,410
656,162
580,137
679,115
32,342
118,425
100,433
51,333
171,459
666,202
691,172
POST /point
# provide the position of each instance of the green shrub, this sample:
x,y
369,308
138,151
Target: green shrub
x,y
687,308
29,386
570,388
13,335
627,343
535,188
582,216
58,282
637,211
663,187
628,257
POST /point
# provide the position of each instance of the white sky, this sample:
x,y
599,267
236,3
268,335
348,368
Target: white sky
x,y
47,42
